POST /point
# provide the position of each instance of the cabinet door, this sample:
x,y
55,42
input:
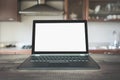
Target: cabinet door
x,y
75,9
104,10
9,10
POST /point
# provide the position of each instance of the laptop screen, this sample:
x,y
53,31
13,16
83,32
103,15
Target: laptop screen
x,y
59,36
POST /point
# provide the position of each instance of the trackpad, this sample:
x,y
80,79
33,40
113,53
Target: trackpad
x,y
59,64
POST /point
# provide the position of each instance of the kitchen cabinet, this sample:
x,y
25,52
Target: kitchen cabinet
x,y
75,9
9,10
104,10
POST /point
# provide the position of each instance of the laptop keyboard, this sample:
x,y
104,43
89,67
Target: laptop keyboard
x,y
59,59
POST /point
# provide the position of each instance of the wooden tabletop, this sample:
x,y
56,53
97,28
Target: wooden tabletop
x,y
110,69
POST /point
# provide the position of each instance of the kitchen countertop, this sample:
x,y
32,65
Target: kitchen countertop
x,y
14,51
18,50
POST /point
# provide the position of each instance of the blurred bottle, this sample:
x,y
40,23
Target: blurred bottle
x,y
116,39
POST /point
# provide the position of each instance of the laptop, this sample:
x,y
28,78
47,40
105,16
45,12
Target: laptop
x,y
61,45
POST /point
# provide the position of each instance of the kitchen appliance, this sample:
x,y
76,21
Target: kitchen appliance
x,y
41,8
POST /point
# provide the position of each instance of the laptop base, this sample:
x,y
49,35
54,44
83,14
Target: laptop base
x,y
91,64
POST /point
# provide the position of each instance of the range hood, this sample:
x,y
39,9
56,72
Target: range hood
x,y
41,9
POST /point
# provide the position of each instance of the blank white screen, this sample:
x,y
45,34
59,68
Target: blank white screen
x,y
60,37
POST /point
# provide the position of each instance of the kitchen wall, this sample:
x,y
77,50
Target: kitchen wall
x,y
21,31
100,33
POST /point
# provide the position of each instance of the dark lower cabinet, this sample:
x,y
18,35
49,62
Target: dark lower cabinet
x,y
9,10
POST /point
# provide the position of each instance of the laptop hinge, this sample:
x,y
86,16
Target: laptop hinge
x,y
84,54
60,54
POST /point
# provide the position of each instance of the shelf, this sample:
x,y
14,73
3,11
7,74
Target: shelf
x,y
108,10
105,13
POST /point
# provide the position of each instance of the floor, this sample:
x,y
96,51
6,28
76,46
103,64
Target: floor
x,y
109,63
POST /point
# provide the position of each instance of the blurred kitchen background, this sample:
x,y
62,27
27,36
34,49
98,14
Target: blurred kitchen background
x,y
101,34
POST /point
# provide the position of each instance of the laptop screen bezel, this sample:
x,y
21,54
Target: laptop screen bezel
x,y
58,52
